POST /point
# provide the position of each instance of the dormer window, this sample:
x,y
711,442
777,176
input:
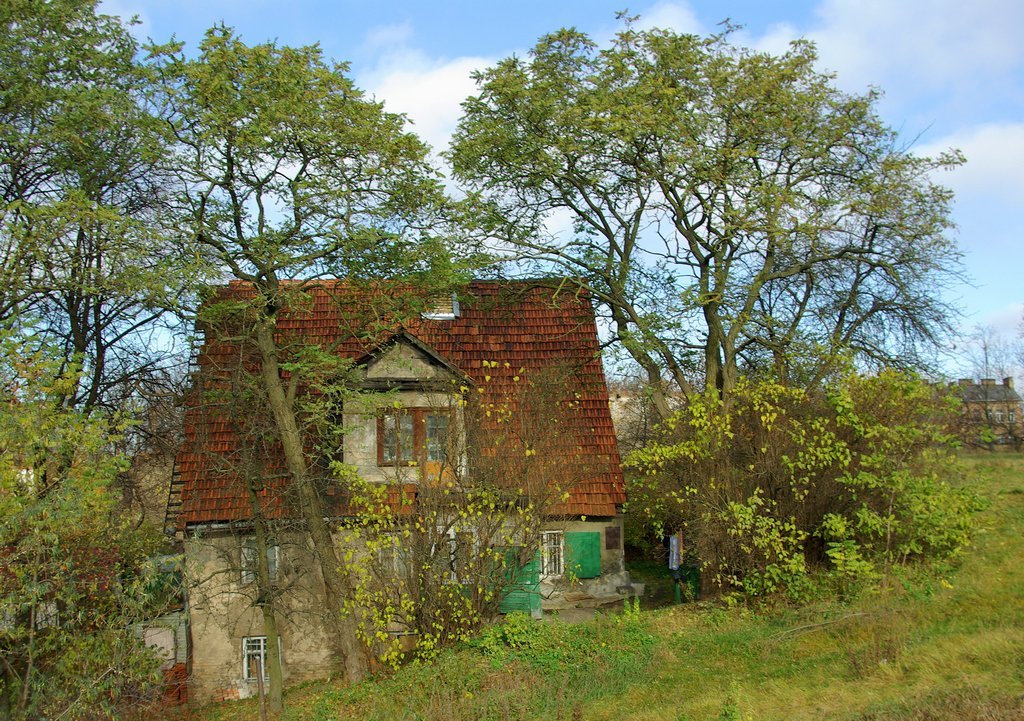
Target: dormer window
x,y
412,436
442,309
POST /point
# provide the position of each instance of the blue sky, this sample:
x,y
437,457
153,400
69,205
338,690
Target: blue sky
x,y
952,73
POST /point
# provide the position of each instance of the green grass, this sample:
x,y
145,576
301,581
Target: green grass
x,y
936,644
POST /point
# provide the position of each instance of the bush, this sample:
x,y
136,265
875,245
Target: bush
x,y
774,482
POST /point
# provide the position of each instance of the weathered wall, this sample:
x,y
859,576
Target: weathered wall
x,y
222,612
568,591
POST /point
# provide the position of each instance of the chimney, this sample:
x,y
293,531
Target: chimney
x,y
988,381
1008,382
964,382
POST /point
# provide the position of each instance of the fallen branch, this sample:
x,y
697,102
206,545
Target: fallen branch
x,y
820,624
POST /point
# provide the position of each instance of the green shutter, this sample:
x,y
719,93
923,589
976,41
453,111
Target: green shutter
x,y
583,553
523,590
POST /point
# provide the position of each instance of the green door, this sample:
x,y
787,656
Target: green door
x,y
583,554
523,590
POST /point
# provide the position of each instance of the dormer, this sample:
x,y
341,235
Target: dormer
x,y
442,309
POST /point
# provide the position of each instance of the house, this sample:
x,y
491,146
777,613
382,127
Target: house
x,y
993,413
473,352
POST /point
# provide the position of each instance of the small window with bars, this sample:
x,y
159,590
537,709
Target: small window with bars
x,y
254,658
552,554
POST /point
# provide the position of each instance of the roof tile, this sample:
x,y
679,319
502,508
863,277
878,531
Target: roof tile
x,y
526,325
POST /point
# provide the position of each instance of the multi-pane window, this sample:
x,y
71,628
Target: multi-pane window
x,y
254,658
250,560
552,553
409,436
436,436
396,439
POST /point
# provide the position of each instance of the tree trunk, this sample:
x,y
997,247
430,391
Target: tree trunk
x,y
266,599
311,506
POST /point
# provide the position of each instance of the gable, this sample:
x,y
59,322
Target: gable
x,y
405,360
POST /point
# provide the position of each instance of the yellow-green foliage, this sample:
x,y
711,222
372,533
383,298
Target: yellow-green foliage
x,y
74,575
428,572
774,480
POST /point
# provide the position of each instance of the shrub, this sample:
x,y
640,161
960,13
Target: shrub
x,y
773,482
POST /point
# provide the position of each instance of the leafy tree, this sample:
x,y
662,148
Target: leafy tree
x,y
82,261
287,174
75,576
731,210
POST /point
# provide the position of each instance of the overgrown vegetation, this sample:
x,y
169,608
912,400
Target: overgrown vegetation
x,y
438,568
732,211
74,569
935,643
777,482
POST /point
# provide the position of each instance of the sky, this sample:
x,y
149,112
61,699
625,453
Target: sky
x,y
952,73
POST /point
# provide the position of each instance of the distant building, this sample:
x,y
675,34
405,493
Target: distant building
x,y
993,413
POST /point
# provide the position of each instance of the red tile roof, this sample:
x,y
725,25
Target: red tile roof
x,y
518,325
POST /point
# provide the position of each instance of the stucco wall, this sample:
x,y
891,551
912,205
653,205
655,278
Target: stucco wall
x,y
222,612
613,565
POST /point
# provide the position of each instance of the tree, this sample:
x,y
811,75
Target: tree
x,y
989,354
439,566
287,174
82,260
731,210
75,576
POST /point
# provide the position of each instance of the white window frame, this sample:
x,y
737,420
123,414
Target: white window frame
x,y
254,645
247,560
259,650
552,554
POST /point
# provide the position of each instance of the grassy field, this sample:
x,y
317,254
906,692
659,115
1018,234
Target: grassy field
x,y
936,645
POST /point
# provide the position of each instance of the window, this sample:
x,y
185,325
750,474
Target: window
x,y
249,560
443,309
436,436
412,435
1011,416
552,554
999,416
392,556
254,658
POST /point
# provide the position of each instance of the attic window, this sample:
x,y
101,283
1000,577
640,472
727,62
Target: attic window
x,y
442,309
412,436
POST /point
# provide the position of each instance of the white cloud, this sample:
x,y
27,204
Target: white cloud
x,y
775,40
671,16
429,92
932,42
995,161
388,37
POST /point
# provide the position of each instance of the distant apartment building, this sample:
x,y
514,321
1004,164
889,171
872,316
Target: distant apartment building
x,y
993,413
